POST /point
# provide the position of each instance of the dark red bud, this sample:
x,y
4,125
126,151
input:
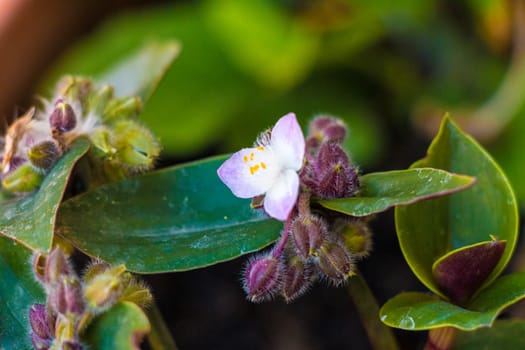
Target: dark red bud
x,y
327,129
63,117
308,232
297,278
335,262
262,278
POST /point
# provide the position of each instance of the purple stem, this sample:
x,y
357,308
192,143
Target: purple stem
x,y
277,251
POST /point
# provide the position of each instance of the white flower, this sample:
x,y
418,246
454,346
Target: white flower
x,y
269,168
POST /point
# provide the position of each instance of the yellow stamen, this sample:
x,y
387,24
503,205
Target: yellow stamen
x,y
253,169
251,156
245,158
260,148
263,165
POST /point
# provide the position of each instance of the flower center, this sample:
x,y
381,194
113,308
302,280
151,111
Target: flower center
x,y
253,161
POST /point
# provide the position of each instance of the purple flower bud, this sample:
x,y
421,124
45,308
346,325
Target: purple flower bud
x,y
308,232
297,278
57,265
40,343
63,117
262,278
65,296
336,177
330,154
335,262
326,129
39,321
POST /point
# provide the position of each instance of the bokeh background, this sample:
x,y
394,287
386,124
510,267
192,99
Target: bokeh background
x,y
389,69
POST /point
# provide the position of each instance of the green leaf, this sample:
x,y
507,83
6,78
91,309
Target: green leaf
x,y
140,74
419,311
381,191
505,334
31,219
461,272
176,219
428,230
18,291
120,328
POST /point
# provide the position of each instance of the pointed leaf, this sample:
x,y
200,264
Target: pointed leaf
x,y
18,291
381,191
461,272
428,230
31,219
505,334
140,74
419,311
120,328
176,219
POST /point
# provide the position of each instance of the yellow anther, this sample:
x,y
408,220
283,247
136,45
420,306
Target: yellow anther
x,y
245,158
253,169
251,156
260,148
263,165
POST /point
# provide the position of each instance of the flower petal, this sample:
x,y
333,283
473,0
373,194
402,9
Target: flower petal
x,y
250,172
281,197
287,142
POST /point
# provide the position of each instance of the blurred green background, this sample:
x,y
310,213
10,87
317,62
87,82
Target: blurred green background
x,y
389,69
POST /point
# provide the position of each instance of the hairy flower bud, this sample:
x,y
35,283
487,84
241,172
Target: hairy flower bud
x,y
39,321
102,290
122,108
23,179
40,343
65,296
44,155
63,117
308,232
262,278
136,147
57,266
297,278
335,262
357,237
326,129
336,177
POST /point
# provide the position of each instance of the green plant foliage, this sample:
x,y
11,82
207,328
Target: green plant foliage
x,y
120,328
381,191
30,220
420,311
283,52
505,334
140,74
18,291
428,230
176,219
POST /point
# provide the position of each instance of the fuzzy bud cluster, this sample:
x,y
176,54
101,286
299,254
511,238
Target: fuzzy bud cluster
x,y
315,244
37,140
72,302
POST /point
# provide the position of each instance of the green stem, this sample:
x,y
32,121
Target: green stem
x,y
159,337
380,336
